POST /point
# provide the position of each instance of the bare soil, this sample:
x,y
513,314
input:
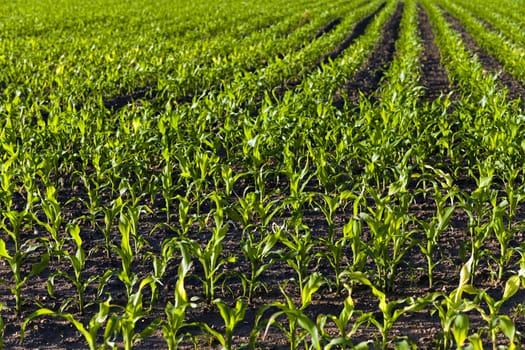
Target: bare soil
x,y
434,76
357,31
327,28
367,79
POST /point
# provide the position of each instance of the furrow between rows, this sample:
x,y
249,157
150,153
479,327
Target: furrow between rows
x,y
368,77
434,76
490,64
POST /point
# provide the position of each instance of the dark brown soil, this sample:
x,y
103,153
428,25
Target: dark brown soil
x,y
358,30
119,102
491,64
434,76
367,79
328,27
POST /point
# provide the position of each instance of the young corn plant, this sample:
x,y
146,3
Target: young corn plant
x,y
129,220
125,324
351,235
228,179
503,232
110,214
253,156
258,251
231,317
496,321
391,239
126,255
433,228
185,217
53,211
329,206
298,181
452,309
299,254
78,261
161,263
94,188
196,167
390,310
176,311
210,256
475,205
298,326
17,255
89,331
251,212
347,322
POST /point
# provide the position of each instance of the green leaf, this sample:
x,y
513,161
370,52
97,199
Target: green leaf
x,y
404,345
485,181
44,262
464,277
74,231
100,317
307,324
51,286
475,342
342,343
149,330
511,287
3,250
312,285
507,327
461,328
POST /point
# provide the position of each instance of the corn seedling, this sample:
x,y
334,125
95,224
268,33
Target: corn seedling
x,y
452,309
17,255
89,332
210,256
110,214
231,145
132,314
433,229
298,325
391,239
78,261
259,252
390,310
231,317
495,320
55,218
176,311
347,322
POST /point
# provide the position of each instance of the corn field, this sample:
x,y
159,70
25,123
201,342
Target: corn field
x,y
253,174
